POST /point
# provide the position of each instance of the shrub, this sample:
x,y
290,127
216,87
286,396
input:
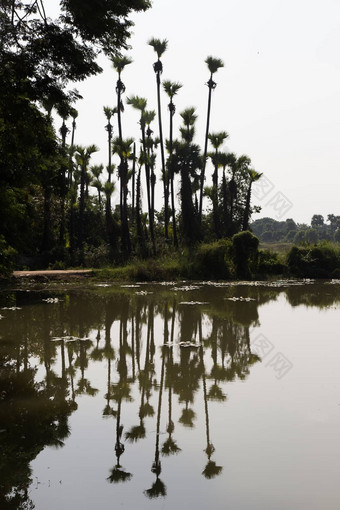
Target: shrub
x,y
96,256
269,263
211,261
8,256
245,253
314,262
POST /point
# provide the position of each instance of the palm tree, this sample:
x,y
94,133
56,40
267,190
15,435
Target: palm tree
x,y
147,117
160,47
171,88
109,112
119,63
213,65
140,103
253,177
123,149
83,156
96,171
64,112
186,159
216,140
74,115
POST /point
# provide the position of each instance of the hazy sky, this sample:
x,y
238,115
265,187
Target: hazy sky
x,y
278,96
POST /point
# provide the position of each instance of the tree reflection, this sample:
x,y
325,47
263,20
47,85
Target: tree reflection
x,y
156,348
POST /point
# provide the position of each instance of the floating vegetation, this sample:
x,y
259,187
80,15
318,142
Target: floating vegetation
x,y
240,299
194,303
187,287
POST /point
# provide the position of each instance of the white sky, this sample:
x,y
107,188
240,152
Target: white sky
x,y
278,95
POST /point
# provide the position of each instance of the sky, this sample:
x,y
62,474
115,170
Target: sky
x,y
277,96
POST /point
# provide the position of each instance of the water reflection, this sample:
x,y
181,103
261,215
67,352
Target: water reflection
x,y
166,348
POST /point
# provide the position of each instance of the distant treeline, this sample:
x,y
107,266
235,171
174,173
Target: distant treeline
x,y
270,230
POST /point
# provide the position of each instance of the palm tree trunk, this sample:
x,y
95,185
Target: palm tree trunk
x,y
205,153
165,179
174,226
245,225
148,191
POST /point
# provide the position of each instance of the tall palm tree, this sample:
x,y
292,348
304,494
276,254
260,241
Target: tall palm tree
x,y
74,115
83,156
147,117
160,47
109,112
253,177
171,88
64,112
214,65
216,140
140,103
187,160
119,63
123,149
96,171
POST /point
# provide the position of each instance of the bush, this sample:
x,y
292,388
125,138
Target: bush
x,y
269,263
8,257
211,261
96,256
319,261
245,253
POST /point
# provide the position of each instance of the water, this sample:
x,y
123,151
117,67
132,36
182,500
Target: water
x,y
171,396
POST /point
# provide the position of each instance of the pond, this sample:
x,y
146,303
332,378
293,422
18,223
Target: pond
x,y
171,395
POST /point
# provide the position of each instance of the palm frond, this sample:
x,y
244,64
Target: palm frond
x,y
213,64
120,62
139,103
189,117
158,45
171,87
216,139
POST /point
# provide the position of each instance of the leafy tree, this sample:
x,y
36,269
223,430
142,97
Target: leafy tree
x,y
317,220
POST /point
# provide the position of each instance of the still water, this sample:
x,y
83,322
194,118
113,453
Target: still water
x,y
171,396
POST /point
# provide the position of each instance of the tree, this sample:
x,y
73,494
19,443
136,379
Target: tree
x,y
186,161
119,63
160,47
96,171
253,177
317,220
216,140
171,88
123,149
83,156
213,65
140,103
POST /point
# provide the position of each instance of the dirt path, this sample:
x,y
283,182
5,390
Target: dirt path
x,y
50,274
